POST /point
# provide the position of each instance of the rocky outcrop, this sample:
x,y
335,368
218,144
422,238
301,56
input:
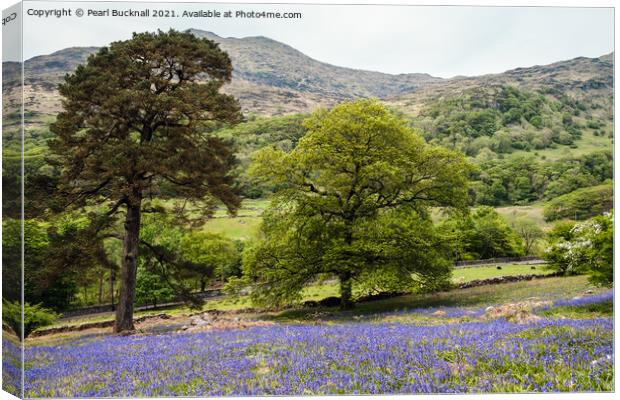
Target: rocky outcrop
x,y
218,320
520,313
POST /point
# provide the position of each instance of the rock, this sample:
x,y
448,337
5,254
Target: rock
x,y
225,324
520,313
524,317
198,321
439,313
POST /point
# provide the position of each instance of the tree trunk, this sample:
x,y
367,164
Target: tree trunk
x,y
345,291
112,278
203,284
101,277
124,312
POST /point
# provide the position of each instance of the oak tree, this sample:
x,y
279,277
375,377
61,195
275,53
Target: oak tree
x,y
353,198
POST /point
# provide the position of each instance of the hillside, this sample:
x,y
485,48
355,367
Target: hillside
x,y
586,80
263,61
559,113
272,78
557,110
269,77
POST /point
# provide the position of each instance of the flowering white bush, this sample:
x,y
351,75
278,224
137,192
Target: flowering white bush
x,y
586,248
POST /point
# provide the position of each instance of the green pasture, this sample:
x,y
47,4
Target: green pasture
x,y
588,143
467,274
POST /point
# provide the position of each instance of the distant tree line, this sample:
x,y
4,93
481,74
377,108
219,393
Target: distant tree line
x,y
525,179
492,120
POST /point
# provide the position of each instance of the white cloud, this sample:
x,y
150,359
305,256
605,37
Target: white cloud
x,y
442,41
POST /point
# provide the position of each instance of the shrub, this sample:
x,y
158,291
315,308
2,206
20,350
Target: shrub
x,y
586,248
35,316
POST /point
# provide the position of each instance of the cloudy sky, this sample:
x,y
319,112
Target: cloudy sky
x,y
442,41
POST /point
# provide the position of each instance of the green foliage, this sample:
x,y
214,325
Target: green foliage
x,y
174,256
151,288
593,310
58,256
482,234
280,132
138,121
524,179
499,118
35,316
561,230
217,254
586,248
558,237
601,252
35,245
168,271
516,104
353,199
581,204
75,258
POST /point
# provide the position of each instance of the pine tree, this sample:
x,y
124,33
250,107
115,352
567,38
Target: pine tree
x,y
137,117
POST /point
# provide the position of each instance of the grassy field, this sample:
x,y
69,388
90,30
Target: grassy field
x,y
236,228
467,274
249,208
476,297
588,143
244,225
533,212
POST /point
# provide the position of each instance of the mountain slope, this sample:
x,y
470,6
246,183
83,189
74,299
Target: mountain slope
x,y
269,77
588,80
272,78
264,61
